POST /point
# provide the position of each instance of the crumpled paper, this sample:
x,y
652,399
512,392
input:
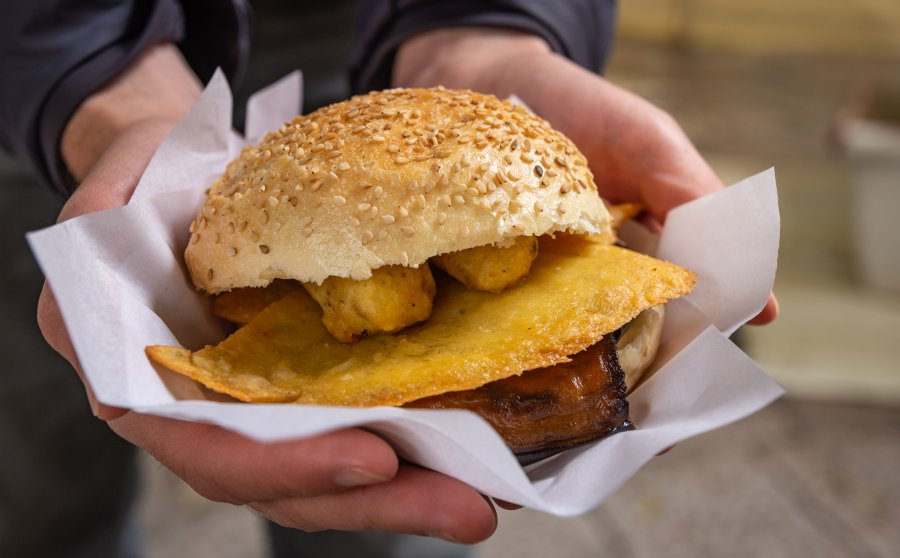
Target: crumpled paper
x,y
120,282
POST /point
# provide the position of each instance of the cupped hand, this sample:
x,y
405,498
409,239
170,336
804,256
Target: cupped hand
x,y
637,151
345,480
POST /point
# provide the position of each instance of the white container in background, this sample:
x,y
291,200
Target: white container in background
x,y
870,135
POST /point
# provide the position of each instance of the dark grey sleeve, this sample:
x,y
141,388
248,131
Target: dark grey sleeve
x,y
581,30
55,53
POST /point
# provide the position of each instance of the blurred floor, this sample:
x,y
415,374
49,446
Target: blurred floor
x,y
814,474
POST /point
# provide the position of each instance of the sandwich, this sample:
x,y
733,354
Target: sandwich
x,y
426,248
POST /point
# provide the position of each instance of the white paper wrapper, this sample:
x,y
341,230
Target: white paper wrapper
x,y
120,282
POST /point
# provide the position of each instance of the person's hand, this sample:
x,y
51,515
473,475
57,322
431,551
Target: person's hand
x,y
345,480
636,150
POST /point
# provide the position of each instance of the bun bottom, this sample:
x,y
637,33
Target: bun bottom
x,y
548,410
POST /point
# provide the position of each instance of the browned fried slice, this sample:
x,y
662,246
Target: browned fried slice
x,y
239,306
550,408
578,290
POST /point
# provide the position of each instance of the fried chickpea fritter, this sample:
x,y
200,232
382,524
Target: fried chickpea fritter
x,y
491,268
393,298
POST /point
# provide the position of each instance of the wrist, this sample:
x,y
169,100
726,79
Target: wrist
x,y
477,58
157,87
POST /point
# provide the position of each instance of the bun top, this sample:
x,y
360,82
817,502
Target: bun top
x,y
389,178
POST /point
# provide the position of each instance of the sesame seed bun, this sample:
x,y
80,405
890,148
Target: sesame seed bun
x,y
389,178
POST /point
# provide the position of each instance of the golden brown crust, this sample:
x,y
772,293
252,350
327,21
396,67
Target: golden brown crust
x,y
388,178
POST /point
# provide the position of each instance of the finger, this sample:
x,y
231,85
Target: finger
x,y
227,467
54,330
769,312
416,501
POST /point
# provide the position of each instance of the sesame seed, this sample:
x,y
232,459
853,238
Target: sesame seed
x,y
195,238
538,171
443,181
367,237
344,166
408,231
318,147
404,258
382,234
393,148
363,207
339,200
459,200
378,137
355,221
445,199
401,160
404,212
273,201
472,192
387,219
442,218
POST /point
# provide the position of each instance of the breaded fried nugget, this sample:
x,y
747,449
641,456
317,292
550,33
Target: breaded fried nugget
x,y
393,298
491,268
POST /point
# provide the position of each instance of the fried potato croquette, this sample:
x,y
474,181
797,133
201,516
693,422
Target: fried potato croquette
x,y
392,299
491,268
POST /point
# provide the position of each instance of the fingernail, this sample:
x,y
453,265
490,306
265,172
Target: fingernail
x,y
348,478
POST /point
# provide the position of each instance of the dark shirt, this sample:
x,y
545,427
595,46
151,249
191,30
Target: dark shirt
x,y
55,53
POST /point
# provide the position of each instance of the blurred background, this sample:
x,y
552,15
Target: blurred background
x,y
811,88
